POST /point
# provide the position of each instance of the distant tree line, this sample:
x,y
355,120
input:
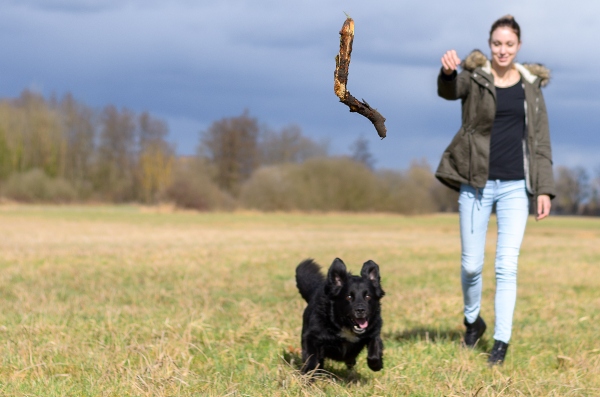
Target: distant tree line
x,y
60,150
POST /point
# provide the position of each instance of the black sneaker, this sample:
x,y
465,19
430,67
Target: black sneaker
x,y
474,331
498,353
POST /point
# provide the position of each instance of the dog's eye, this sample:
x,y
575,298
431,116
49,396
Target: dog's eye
x,y
368,297
348,297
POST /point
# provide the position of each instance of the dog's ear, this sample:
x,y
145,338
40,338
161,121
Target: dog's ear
x,y
336,277
370,271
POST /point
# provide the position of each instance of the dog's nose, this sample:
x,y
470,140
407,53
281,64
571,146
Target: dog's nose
x,y
360,312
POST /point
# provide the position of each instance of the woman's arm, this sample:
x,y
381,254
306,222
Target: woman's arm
x,y
451,84
543,151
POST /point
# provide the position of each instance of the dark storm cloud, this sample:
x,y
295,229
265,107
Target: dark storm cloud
x,y
66,6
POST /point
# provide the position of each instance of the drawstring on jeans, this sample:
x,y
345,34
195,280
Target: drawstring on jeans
x,y
473,209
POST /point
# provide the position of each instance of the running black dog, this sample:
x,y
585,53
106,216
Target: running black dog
x,y
343,314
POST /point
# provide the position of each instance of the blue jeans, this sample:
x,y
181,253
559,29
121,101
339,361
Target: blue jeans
x,y
475,208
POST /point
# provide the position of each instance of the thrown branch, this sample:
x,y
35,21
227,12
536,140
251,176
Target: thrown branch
x,y
340,80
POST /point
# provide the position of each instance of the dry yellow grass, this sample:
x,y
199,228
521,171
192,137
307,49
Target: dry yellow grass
x,y
114,301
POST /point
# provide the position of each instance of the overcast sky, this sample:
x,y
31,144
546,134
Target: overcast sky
x,y
193,62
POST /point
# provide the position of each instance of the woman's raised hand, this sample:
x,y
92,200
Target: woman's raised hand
x,y
450,62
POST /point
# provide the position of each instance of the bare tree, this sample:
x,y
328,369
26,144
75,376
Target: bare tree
x,y
6,151
116,154
156,157
572,189
592,204
79,132
39,143
288,146
231,145
360,152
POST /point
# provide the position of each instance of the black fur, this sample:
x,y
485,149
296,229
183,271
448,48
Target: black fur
x,y
343,314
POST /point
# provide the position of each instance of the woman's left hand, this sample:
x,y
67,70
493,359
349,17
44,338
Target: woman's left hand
x,y
543,206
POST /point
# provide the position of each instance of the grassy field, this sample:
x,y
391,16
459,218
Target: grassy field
x,y
127,301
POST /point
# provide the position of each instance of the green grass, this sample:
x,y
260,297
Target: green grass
x,y
128,301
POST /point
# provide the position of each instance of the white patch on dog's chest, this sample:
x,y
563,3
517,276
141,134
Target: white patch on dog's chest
x,y
347,334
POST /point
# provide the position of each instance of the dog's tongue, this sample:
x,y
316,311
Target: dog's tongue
x,y
362,323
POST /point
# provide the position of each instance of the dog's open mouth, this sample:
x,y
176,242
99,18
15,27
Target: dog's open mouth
x,y
360,325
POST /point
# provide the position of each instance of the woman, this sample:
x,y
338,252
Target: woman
x,y
501,155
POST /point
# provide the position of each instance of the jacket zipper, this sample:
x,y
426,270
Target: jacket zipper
x,y
526,153
471,131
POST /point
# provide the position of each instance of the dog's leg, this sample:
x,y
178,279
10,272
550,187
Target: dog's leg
x,y
352,350
311,363
375,354
311,357
350,362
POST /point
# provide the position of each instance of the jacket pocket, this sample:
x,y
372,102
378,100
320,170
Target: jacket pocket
x,y
459,154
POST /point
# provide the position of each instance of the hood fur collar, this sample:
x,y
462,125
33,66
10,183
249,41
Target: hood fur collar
x,y
530,71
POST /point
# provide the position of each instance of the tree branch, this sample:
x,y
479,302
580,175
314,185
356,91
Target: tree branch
x,y
340,80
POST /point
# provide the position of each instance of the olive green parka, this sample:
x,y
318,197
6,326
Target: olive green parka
x,y
466,159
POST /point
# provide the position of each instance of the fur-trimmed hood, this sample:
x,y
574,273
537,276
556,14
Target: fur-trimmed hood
x,y
530,71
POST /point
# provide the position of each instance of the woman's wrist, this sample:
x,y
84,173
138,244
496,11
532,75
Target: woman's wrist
x,y
448,76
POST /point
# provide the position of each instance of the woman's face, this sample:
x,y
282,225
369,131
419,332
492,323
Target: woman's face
x,y
504,44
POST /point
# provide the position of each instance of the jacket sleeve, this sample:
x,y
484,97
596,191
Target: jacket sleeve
x,y
543,151
454,86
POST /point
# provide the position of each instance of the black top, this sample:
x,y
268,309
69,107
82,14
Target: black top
x,y
508,131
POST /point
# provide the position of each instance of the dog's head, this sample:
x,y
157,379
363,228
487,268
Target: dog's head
x,y
355,299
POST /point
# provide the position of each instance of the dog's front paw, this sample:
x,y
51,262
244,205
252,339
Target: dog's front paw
x,y
350,363
376,363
